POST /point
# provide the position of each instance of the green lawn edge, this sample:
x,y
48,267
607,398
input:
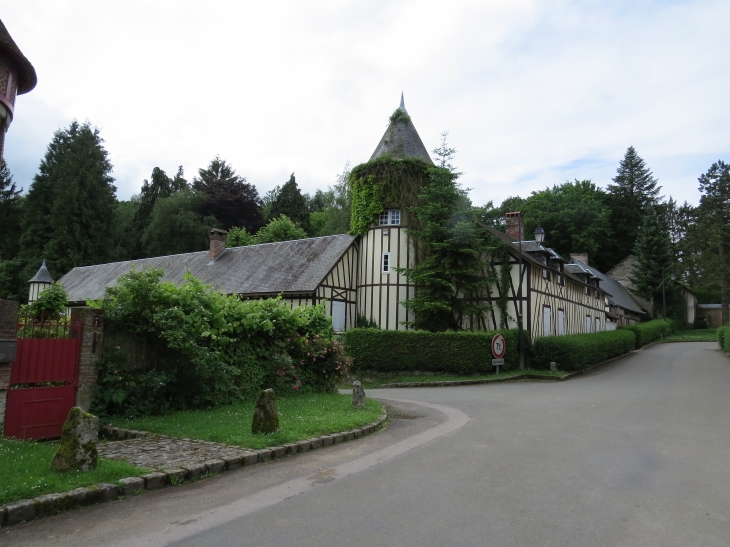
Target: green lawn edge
x,y
375,383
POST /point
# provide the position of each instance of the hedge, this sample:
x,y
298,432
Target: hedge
x,y
723,338
575,351
454,352
650,331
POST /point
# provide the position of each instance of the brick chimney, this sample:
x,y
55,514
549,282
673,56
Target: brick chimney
x,y
583,257
217,244
515,227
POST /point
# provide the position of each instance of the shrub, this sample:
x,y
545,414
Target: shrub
x,y
723,338
650,331
201,348
575,351
455,352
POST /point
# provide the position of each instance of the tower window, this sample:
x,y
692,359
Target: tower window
x,y
390,216
386,263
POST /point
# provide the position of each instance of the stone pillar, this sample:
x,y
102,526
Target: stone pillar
x,y
92,324
8,322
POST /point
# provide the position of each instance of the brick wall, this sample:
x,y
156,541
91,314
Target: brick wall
x,y
8,321
89,353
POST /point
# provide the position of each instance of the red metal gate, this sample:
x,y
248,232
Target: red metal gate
x,y
43,378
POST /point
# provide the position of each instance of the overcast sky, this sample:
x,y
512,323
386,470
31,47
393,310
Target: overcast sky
x,y
531,93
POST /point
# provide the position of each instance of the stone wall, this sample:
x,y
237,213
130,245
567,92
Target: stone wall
x,y
8,321
92,337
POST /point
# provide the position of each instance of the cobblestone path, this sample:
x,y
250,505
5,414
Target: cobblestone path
x,y
162,452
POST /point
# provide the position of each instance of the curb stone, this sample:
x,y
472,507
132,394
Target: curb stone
x,y
50,504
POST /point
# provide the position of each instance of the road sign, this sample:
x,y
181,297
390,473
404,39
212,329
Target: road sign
x,y
497,362
498,346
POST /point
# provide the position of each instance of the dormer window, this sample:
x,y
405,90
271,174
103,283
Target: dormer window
x,y
390,217
546,275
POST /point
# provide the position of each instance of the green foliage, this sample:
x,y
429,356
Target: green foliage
x,y
650,331
576,351
723,338
399,116
13,285
362,322
239,237
52,301
176,226
228,197
330,211
70,203
209,349
291,203
280,229
450,352
384,181
10,212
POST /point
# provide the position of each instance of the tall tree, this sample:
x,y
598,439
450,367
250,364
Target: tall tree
x,y
292,203
714,219
10,213
330,211
70,203
229,198
633,192
655,260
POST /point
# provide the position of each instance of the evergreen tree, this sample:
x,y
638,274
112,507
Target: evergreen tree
x,y
330,211
159,186
655,260
10,213
70,204
291,203
229,198
633,192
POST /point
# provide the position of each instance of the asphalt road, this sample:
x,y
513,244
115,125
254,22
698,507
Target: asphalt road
x,y
635,454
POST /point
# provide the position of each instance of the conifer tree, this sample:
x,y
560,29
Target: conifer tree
x,y
10,211
70,203
633,192
292,203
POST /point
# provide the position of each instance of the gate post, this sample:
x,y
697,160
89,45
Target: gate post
x,y
92,334
8,323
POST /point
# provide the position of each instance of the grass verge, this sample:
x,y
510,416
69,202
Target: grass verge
x,y
697,335
25,471
371,382
300,417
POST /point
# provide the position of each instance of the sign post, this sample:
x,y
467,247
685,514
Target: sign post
x,y
499,346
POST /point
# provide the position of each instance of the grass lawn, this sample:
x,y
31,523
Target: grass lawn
x,y
696,335
300,417
25,471
375,382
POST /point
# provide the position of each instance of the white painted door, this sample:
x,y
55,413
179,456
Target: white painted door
x,y
546,321
561,322
598,324
338,315
588,323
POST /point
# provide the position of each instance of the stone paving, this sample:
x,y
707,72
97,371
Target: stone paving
x,y
162,452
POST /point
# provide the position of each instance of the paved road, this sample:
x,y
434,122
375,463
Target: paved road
x,y
637,453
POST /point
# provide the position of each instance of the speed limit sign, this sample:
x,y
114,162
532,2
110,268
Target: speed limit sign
x,y
498,346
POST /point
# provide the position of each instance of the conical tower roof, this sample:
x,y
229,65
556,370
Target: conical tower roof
x,y
42,275
26,73
401,140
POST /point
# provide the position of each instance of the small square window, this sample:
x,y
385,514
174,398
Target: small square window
x,y
561,280
588,290
384,217
546,275
386,263
395,216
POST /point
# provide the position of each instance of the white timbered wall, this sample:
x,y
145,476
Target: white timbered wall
x,y
339,285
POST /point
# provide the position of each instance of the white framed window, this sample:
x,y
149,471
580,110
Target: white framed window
x,y
588,323
547,316
385,263
561,322
339,314
588,290
390,216
546,274
561,280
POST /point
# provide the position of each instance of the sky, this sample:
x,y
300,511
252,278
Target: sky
x,y
532,93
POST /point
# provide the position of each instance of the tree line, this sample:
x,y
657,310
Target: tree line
x,y
70,215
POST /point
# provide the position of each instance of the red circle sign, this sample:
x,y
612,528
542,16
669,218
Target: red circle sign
x,y
498,346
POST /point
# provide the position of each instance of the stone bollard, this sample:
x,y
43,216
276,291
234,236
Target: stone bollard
x,y
553,366
358,394
77,451
265,416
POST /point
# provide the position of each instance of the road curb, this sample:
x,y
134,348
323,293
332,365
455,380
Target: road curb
x,y
51,504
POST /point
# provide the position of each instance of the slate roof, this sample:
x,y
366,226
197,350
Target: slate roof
x,y
401,140
27,79
42,275
292,267
618,295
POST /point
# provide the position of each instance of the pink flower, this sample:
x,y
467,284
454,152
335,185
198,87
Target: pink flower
x,y
314,358
295,387
292,366
308,355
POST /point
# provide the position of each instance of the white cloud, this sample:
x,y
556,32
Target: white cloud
x,y
531,93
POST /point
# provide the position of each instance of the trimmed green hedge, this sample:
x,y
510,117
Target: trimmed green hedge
x,y
575,351
723,338
651,330
455,352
